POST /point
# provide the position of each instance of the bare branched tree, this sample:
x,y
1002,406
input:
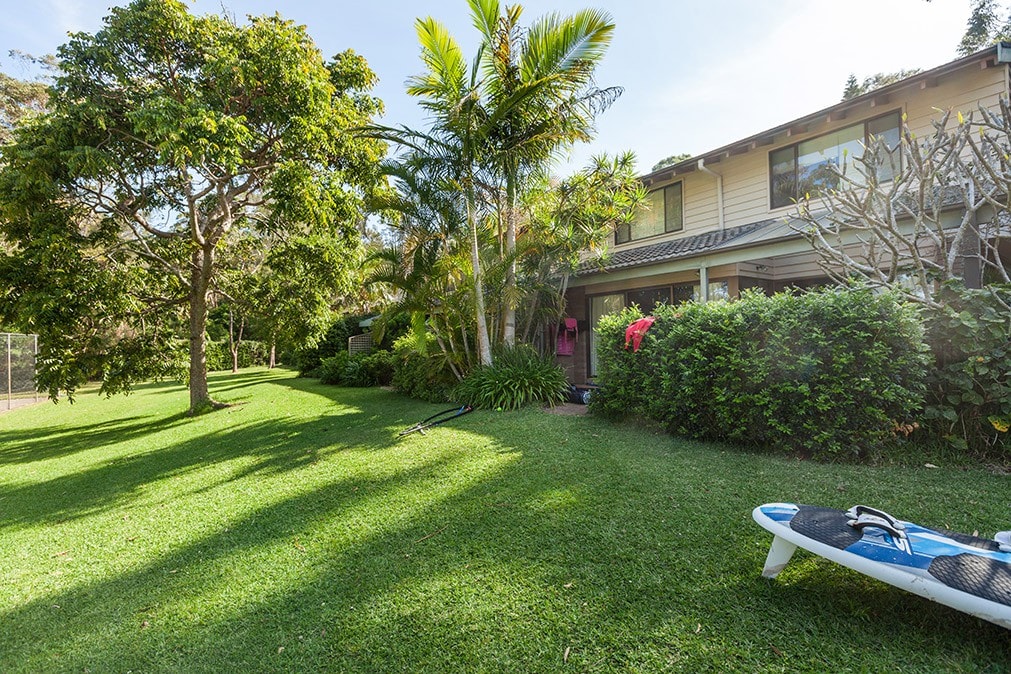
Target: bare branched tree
x,y
913,214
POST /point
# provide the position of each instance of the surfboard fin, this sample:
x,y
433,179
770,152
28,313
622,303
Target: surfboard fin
x,y
779,556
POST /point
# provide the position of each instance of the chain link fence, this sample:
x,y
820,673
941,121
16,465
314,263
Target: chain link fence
x,y
17,369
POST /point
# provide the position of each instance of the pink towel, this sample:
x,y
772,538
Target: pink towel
x,y
566,344
637,330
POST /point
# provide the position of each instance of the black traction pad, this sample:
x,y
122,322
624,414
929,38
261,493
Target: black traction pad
x,y
825,525
980,576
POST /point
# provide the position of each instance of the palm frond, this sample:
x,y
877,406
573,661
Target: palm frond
x,y
574,44
443,84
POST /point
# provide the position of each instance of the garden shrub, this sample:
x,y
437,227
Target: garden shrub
x,y
518,376
389,329
421,370
378,367
331,369
251,353
360,370
969,399
825,372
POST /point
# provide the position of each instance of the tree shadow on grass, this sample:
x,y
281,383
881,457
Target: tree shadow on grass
x,y
49,442
539,557
264,447
550,547
217,381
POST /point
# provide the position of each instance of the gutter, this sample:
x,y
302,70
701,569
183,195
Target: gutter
x,y
999,53
719,191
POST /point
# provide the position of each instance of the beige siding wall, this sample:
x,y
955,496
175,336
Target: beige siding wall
x,y
701,214
966,93
746,176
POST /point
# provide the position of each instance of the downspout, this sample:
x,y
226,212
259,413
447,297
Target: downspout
x,y
703,269
719,191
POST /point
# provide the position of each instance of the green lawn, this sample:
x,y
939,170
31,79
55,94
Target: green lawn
x,y
296,532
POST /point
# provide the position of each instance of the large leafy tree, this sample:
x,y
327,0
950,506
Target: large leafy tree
x,y
989,22
856,88
167,132
19,99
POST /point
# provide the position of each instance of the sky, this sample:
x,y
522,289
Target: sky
x,y
696,75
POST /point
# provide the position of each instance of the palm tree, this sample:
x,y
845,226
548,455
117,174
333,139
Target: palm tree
x,y
426,264
539,89
451,153
525,95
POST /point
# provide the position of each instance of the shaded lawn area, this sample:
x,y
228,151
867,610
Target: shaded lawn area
x,y
296,532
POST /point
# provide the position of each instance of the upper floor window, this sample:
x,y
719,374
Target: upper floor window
x,y
806,168
663,212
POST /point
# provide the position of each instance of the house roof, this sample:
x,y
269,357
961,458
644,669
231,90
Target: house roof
x,y
665,251
778,228
999,53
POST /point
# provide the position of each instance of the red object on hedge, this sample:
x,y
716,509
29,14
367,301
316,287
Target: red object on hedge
x,y
637,330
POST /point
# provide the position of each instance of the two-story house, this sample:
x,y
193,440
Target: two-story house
x,y
719,222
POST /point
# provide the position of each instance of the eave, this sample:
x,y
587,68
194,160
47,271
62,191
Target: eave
x,y
998,54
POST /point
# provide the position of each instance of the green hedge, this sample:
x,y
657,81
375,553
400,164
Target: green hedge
x,y
825,373
374,369
251,353
970,389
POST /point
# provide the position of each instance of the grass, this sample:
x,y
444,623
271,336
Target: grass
x,y
294,531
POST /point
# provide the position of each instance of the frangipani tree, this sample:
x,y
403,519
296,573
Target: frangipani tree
x,y
922,212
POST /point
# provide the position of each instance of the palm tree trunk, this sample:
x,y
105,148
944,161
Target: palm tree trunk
x,y
509,312
483,345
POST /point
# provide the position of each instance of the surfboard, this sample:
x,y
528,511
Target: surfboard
x,y
965,572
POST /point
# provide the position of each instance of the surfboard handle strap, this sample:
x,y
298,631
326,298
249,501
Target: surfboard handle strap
x,y
861,516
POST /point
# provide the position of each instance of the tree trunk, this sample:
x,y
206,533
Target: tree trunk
x,y
201,265
509,315
273,355
483,346
233,342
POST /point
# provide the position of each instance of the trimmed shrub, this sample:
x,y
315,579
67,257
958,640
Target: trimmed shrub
x,y
517,377
826,373
969,400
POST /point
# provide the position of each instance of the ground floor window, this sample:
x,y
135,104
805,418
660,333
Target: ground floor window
x,y
718,290
601,305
